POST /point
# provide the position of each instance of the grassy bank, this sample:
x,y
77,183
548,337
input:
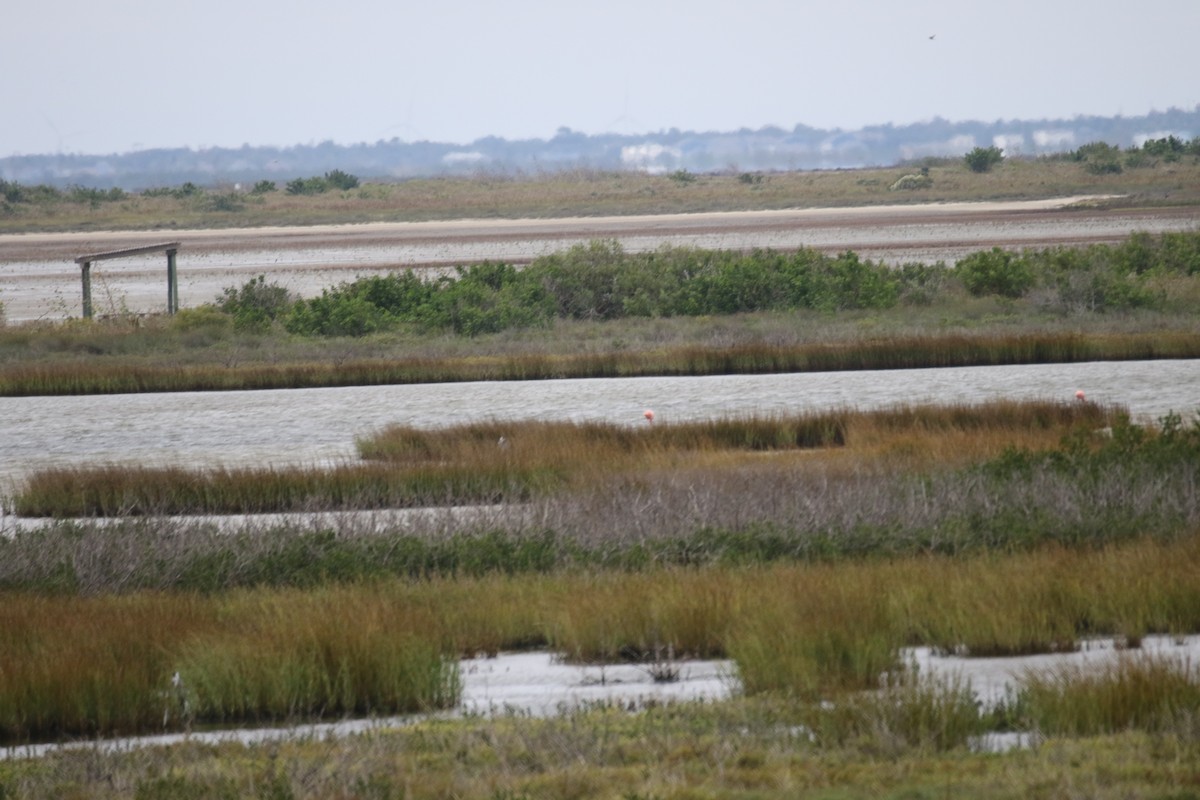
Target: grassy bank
x,y
745,749
121,376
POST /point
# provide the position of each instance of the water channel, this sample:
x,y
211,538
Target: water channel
x,y
317,426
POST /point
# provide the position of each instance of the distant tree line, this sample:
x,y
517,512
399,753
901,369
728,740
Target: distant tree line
x,y
13,193
1101,158
769,148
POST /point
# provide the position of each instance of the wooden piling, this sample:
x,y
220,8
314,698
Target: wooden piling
x,y
171,248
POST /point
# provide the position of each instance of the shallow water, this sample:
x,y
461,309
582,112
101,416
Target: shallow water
x,y
526,684
994,679
315,426
539,684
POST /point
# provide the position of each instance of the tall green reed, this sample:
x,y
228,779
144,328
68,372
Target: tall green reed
x,y
1158,692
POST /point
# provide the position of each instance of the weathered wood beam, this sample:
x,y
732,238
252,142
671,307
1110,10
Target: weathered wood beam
x,y
130,251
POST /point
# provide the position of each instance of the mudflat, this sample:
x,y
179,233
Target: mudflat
x,y
39,277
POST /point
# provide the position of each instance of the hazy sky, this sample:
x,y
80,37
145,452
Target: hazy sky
x,y
101,76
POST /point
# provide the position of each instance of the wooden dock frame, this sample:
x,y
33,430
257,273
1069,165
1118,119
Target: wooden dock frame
x,y
170,248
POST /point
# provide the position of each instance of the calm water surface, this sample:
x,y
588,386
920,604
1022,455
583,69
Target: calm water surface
x,y
311,426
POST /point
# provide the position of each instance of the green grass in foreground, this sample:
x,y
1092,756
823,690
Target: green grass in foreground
x,y
741,750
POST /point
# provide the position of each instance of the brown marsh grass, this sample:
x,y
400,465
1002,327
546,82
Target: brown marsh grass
x,y
496,462
132,374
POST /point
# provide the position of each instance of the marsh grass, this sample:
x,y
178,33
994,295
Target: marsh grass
x,y
103,665
909,713
1157,692
132,374
509,462
636,617
130,491
752,747
89,667
317,654
829,630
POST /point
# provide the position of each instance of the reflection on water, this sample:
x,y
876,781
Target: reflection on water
x,y
311,426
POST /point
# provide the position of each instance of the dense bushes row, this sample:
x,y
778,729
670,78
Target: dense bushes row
x,y
600,281
13,192
1101,158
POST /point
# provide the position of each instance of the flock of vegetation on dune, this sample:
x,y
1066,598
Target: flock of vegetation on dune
x,y
810,549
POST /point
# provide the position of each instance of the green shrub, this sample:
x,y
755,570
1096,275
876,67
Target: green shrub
x,y
200,318
256,304
488,298
1169,148
583,282
336,179
982,159
995,271
13,192
94,197
229,201
846,282
1099,158
304,186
